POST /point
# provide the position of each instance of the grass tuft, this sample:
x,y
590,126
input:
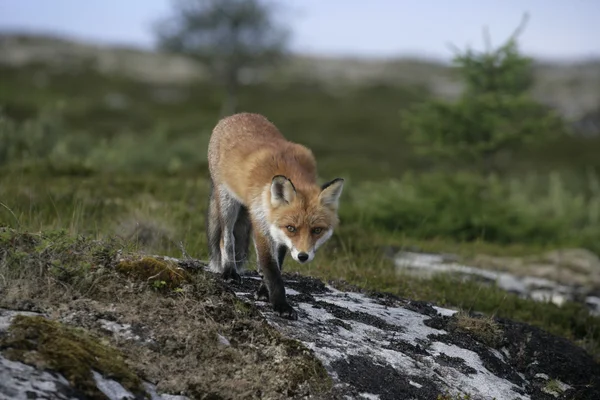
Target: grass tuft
x,y
483,329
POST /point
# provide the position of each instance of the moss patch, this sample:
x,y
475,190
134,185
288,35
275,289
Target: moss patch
x,y
47,344
554,388
483,329
161,274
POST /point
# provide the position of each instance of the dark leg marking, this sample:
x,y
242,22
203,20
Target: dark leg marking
x,y
241,234
263,293
281,252
272,277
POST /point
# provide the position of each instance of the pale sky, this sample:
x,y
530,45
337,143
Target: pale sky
x,y
557,29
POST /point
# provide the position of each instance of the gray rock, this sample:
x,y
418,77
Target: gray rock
x,y
578,259
21,381
532,287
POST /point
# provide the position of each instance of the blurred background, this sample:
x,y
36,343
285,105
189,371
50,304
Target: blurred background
x,y
467,127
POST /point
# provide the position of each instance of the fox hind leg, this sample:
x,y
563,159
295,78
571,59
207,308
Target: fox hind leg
x,y
262,294
241,235
213,231
229,211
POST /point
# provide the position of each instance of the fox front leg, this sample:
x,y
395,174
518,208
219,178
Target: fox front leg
x,y
262,293
272,280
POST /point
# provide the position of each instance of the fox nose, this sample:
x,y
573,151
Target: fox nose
x,y
302,257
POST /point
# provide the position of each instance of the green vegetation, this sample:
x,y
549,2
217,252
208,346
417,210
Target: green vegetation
x,y
167,214
494,114
108,158
535,210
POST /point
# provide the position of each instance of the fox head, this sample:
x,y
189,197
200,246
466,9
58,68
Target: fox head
x,y
303,219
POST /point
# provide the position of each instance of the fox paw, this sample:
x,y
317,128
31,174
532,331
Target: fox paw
x,y
262,294
285,311
231,275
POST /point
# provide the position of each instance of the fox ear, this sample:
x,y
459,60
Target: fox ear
x,y
282,191
331,192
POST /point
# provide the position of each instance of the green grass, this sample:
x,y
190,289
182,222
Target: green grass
x,y
535,210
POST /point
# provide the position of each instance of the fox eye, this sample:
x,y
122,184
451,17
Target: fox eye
x,y
291,228
316,231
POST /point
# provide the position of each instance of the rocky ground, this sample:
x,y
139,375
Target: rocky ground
x,y
123,333
557,276
379,346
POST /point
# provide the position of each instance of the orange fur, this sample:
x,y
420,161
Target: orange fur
x,y
246,151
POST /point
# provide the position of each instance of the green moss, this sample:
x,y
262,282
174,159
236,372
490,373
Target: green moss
x,y
161,274
553,387
48,344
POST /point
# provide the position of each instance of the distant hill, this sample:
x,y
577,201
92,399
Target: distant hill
x,y
573,88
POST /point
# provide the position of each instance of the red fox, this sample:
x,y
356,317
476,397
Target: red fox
x,y
265,186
